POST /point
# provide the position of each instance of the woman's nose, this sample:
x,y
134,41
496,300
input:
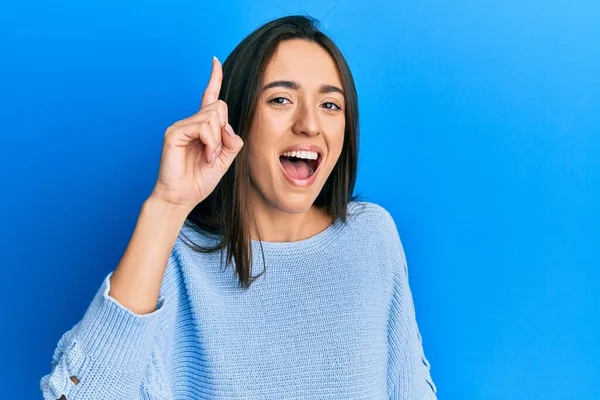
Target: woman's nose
x,y
307,122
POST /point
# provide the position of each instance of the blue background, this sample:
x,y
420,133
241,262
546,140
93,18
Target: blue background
x,y
480,134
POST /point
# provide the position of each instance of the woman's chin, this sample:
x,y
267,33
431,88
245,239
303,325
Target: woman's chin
x,y
295,203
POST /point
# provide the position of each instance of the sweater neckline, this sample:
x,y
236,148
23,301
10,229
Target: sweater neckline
x,y
317,241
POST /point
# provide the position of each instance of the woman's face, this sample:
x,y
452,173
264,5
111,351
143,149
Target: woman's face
x,y
298,131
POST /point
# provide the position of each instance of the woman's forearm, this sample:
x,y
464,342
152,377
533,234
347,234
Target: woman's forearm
x,y
137,279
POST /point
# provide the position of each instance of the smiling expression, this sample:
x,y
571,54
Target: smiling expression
x,y
300,108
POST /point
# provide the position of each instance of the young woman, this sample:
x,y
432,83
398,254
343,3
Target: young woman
x,y
261,177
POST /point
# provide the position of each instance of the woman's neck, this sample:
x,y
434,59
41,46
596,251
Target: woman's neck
x,y
275,225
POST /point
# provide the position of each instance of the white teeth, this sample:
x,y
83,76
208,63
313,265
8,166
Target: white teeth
x,y
308,155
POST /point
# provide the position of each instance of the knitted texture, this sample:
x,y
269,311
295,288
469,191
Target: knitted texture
x,y
331,318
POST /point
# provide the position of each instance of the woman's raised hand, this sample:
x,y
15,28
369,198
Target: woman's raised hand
x,y
198,150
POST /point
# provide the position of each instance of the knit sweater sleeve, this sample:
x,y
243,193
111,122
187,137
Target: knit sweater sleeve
x,y
409,376
112,352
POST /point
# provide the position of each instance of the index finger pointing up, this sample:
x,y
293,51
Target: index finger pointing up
x,y
211,94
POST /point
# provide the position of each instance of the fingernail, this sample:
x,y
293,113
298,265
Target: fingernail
x,y
215,58
229,130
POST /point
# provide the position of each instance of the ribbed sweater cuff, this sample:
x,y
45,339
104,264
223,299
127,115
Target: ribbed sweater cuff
x,y
114,336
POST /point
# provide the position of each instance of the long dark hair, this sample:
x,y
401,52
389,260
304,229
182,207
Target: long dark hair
x,y
226,211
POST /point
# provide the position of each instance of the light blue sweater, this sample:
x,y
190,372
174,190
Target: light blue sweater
x,y
332,318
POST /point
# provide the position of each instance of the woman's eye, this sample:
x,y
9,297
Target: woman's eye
x,y
332,106
279,101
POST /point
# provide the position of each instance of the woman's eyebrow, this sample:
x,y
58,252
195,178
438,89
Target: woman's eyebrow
x,y
295,86
330,89
284,84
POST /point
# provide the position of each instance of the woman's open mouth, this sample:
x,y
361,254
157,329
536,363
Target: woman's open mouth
x,y
300,167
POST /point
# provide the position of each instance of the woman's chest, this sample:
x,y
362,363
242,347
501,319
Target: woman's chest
x,y
319,327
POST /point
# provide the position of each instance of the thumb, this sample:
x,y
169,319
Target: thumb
x,y
232,144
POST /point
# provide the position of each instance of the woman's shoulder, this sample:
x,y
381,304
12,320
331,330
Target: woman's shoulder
x,y
367,206
373,221
370,214
195,246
